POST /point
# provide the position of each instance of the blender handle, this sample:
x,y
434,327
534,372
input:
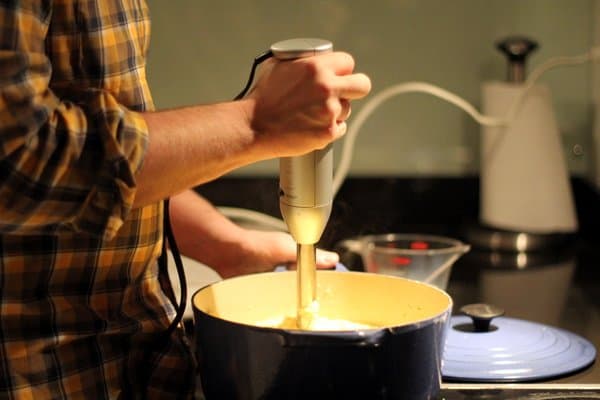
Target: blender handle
x,y
305,181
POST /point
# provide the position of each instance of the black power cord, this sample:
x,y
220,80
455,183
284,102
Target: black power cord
x,y
257,61
163,265
168,231
168,236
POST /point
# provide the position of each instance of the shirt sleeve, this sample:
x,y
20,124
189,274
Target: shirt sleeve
x,y
65,163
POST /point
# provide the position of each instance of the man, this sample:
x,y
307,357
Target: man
x,y
84,166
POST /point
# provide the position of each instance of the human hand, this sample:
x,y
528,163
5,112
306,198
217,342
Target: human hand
x,y
301,105
262,251
207,236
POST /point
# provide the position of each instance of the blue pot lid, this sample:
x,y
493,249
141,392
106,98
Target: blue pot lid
x,y
513,350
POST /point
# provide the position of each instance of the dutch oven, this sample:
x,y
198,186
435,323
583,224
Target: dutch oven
x,y
400,358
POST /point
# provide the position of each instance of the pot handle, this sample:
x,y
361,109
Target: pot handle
x,y
337,267
361,338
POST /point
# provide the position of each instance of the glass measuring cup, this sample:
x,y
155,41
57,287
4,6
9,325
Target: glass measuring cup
x,y
421,257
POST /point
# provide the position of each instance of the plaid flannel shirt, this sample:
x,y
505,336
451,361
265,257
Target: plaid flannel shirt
x,y
81,305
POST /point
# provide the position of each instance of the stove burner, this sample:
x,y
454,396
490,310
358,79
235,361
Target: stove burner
x,y
519,392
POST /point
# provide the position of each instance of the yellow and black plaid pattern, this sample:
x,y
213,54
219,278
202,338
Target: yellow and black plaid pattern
x,y
80,299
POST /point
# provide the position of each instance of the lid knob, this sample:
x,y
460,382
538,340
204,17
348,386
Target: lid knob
x,y
516,49
482,315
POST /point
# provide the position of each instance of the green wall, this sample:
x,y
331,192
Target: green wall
x,y
201,52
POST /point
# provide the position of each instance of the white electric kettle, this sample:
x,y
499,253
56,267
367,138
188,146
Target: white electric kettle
x,y
525,184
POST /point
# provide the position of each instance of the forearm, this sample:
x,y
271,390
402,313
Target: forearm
x,y
193,145
295,107
203,233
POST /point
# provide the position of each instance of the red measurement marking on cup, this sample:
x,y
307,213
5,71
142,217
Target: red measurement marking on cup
x,y
400,260
419,245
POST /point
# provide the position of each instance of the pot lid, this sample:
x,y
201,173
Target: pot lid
x,y
506,349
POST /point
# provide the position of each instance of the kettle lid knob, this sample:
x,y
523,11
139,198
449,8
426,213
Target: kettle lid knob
x,y
516,49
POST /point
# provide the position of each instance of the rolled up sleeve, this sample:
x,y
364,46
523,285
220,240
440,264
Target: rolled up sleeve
x,y
67,162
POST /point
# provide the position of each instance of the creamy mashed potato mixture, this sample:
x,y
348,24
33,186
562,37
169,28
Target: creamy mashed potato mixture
x,y
317,324
314,321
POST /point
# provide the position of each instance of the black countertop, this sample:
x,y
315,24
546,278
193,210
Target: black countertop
x,y
559,287
373,205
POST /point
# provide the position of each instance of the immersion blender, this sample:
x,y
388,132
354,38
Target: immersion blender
x,y
305,192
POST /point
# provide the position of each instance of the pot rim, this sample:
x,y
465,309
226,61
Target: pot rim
x,y
408,326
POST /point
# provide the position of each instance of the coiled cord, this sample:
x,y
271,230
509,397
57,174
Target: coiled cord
x,y
411,87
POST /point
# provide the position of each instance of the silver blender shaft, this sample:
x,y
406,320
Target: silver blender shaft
x,y
305,191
